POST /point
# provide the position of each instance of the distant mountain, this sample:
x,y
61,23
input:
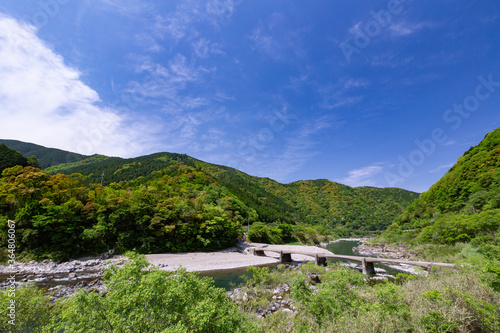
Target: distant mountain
x,y
46,156
10,158
172,202
464,203
320,202
317,202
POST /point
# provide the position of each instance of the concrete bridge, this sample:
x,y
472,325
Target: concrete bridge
x,y
366,262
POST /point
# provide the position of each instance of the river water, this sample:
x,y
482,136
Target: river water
x,y
233,277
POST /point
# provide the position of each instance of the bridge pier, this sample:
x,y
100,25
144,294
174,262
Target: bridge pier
x,y
285,257
256,252
368,267
320,261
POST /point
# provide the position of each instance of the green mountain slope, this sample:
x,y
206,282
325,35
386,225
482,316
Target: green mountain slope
x,y
46,156
465,203
172,202
318,202
10,158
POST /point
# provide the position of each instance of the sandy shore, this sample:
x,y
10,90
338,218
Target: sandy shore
x,y
230,258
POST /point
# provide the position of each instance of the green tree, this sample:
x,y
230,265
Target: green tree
x,y
150,300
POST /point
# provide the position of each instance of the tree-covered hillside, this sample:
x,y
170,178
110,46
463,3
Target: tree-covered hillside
x,y
172,202
177,209
318,202
342,207
462,205
46,156
10,158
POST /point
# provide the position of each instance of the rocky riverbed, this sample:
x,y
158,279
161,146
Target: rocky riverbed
x,y
390,251
61,279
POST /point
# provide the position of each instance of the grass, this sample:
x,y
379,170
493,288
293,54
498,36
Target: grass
x,y
446,301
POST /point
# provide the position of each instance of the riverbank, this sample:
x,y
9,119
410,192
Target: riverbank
x,y
344,240
231,258
62,279
391,251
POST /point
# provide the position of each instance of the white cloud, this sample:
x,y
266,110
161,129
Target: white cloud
x,y
148,42
203,48
342,93
450,143
281,152
404,28
221,7
124,7
362,176
166,86
442,167
276,38
44,101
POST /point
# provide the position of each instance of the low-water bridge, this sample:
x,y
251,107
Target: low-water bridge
x,y
366,262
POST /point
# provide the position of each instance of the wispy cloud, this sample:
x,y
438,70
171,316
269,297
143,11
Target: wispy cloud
x,y
165,83
286,152
175,26
203,48
363,176
129,8
450,143
405,28
343,93
221,8
390,59
490,19
442,167
148,42
276,39
43,100
180,24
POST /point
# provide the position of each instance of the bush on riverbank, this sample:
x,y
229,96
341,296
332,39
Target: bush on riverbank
x,y
312,298
345,302
286,233
139,299
32,310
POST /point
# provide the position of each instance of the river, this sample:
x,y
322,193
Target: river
x,y
233,277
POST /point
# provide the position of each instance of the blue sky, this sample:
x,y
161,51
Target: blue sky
x,y
365,93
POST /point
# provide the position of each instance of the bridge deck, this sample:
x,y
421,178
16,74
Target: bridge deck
x,y
364,260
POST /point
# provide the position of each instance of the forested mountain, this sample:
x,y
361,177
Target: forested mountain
x,y
10,158
318,202
462,205
172,202
46,156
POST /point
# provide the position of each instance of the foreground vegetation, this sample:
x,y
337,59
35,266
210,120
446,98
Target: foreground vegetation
x,y
331,299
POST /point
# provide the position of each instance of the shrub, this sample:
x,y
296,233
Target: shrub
x,y
33,310
335,296
145,299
